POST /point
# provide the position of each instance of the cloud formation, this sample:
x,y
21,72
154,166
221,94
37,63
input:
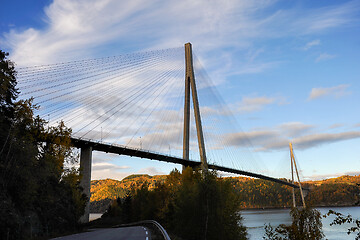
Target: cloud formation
x,y
303,136
151,171
315,140
315,177
78,26
311,44
294,129
78,29
107,165
337,91
81,29
324,56
254,104
324,18
104,169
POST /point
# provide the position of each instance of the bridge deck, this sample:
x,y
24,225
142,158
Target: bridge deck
x,y
133,152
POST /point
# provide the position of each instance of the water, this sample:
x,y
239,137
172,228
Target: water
x,y
255,220
94,216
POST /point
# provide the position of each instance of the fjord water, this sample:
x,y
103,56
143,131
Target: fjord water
x,y
94,216
255,220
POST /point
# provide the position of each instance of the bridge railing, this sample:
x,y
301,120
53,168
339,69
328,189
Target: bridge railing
x,y
122,146
120,149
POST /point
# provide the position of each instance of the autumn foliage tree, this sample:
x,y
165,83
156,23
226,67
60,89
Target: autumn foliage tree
x,y
191,205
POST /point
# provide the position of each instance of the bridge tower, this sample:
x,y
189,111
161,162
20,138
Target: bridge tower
x,y
190,84
293,164
86,150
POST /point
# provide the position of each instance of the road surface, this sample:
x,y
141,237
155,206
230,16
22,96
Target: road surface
x,y
125,233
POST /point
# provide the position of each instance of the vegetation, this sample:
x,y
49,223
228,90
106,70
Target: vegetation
x,y
342,219
38,196
306,225
190,205
104,191
252,193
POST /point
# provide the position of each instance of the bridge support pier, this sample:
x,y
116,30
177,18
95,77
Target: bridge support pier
x,y
85,171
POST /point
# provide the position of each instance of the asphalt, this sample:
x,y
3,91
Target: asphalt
x,y
125,233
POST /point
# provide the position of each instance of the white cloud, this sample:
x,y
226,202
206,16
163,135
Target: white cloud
x,y
279,137
324,18
113,173
249,104
311,44
108,173
336,125
255,54
80,29
337,91
324,56
151,171
103,169
77,26
293,129
253,104
246,105
315,177
244,139
252,68
106,165
315,140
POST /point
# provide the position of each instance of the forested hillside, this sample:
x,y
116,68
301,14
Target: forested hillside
x,y
253,193
104,191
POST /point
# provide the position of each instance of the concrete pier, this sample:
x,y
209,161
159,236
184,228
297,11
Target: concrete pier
x,y
85,171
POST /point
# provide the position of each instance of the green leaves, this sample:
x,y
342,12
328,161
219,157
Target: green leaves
x,y
342,219
306,225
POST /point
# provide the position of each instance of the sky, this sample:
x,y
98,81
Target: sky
x,y
288,70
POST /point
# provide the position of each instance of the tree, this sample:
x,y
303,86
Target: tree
x,y
38,195
191,205
8,91
342,219
306,225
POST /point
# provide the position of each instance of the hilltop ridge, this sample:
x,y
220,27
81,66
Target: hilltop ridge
x,y
254,193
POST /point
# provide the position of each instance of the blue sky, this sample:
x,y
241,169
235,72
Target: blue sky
x,y
289,70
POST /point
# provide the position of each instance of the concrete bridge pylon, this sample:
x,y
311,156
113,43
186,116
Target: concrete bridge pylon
x,y
85,171
190,84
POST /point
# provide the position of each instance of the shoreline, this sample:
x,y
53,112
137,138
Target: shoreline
x,y
316,206
276,208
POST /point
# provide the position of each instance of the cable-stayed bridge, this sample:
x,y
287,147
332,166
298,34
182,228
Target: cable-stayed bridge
x,y
142,105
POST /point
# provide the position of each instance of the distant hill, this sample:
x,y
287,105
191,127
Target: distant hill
x,y
254,193
343,179
104,191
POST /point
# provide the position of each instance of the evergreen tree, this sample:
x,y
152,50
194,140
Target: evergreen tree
x,y
38,196
8,91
